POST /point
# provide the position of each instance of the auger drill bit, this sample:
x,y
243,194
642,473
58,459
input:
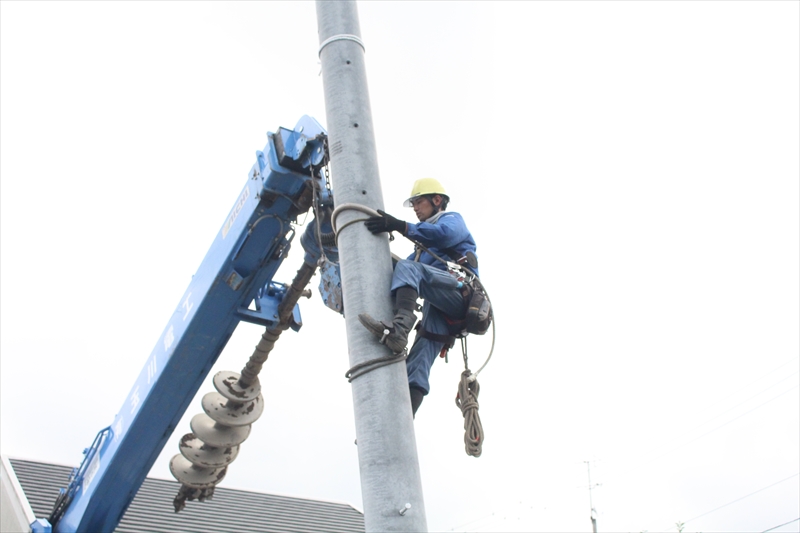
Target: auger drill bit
x,y
230,412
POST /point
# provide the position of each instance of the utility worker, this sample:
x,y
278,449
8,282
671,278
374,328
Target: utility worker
x,y
422,275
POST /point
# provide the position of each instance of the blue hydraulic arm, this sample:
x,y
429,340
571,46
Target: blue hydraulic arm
x,y
237,271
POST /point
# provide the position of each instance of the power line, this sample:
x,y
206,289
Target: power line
x,y
792,360
776,527
465,524
527,504
496,515
742,498
669,451
748,399
745,401
729,421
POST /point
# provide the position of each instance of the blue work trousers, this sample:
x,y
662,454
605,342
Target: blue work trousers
x,y
443,298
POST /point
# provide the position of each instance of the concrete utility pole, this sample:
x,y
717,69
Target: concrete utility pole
x,y
387,452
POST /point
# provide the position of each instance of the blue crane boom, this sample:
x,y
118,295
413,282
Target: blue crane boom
x,y
233,283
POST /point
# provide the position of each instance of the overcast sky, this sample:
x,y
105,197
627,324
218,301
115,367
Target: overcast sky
x,y
630,172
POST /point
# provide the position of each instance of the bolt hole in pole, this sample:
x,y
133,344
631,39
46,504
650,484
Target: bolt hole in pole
x,y
355,125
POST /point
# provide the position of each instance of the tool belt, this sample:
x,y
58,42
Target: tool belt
x,y
477,319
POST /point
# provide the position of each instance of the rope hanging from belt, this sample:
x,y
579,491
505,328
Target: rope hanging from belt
x,y
467,401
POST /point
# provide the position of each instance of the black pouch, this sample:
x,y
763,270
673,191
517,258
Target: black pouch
x,y
479,310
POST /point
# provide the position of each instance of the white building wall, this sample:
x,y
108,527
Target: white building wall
x,y
16,514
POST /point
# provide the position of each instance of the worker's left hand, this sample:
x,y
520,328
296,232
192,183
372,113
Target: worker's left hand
x,y
385,223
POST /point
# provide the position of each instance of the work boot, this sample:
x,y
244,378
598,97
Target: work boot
x,y
397,336
404,319
417,395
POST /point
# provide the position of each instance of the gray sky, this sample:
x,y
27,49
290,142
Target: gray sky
x,y
628,169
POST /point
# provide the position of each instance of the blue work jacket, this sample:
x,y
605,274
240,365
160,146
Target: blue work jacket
x,y
448,237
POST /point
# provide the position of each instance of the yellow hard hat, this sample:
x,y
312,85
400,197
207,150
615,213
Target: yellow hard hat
x,y
425,186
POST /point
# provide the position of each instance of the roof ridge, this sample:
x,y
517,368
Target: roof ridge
x,y
245,510
218,488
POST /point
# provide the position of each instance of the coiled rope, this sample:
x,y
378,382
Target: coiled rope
x,y
467,401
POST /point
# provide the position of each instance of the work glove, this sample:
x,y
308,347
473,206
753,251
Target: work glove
x,y
385,223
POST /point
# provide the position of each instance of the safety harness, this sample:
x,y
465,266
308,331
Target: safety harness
x,y
478,319
478,315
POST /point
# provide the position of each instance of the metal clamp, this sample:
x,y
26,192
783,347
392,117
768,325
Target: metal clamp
x,y
341,37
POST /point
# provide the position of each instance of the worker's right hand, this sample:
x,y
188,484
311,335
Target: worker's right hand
x,y
385,223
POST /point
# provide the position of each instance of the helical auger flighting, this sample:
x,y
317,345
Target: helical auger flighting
x,y
229,412
216,435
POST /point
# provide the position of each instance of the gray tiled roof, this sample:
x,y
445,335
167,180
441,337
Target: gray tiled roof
x,y
229,510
